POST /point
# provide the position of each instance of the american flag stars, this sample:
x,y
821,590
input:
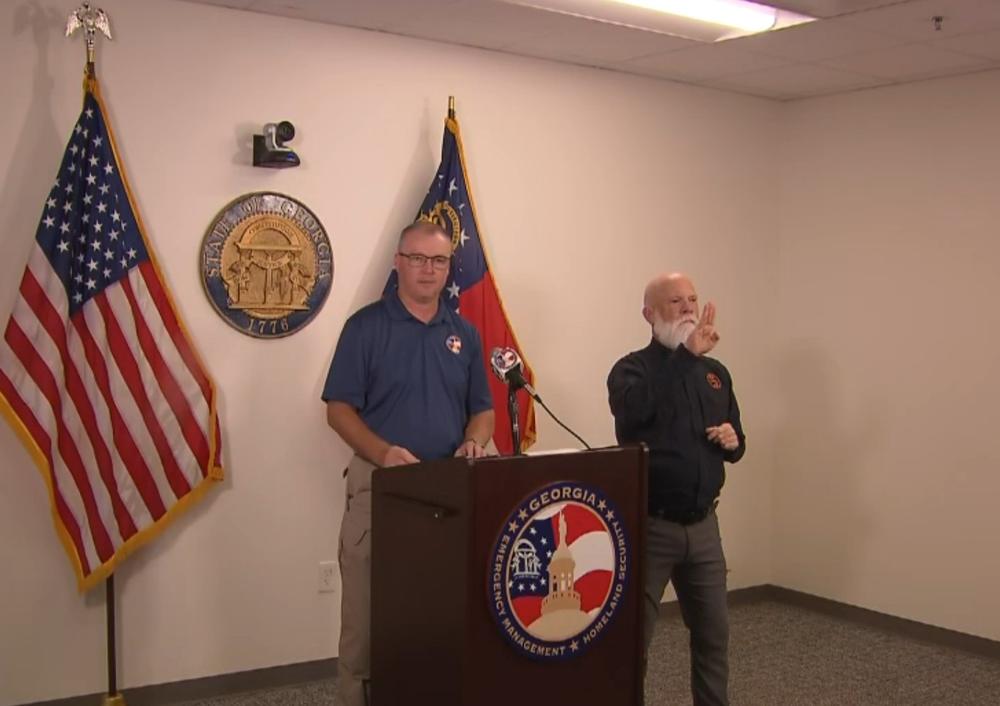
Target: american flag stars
x,y
96,368
88,202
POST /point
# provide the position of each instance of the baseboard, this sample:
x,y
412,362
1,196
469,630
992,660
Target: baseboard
x,y
737,597
911,629
213,687
304,672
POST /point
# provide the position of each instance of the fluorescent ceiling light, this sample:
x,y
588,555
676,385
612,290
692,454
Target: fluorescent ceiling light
x,y
737,14
701,20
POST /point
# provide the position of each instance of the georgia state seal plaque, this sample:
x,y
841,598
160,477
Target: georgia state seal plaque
x,y
266,264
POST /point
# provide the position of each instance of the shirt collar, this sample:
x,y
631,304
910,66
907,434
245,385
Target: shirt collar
x,y
658,348
399,312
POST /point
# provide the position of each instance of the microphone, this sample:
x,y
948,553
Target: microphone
x,y
507,366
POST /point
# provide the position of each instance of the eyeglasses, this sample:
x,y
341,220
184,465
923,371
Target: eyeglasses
x,y
417,261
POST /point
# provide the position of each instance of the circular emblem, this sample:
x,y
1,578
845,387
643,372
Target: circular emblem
x,y
454,344
714,382
558,571
445,215
266,264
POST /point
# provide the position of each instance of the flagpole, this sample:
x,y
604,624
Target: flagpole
x,y
451,107
113,698
91,21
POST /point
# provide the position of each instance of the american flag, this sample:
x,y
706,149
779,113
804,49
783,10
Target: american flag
x,y
589,542
471,289
97,374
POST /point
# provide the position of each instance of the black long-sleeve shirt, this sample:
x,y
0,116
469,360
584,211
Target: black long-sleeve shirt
x,y
667,398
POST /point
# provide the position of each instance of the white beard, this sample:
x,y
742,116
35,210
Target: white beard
x,y
672,333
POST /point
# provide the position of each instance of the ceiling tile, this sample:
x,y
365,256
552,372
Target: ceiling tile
x,y
602,42
234,4
796,81
541,50
868,43
828,8
816,41
985,44
908,62
374,14
477,22
758,91
914,20
703,62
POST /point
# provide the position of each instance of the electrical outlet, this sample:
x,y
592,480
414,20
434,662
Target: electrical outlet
x,y
327,576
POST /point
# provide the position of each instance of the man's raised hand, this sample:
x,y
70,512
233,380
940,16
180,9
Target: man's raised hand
x,y
704,337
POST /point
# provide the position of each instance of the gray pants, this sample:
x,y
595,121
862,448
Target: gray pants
x,y
690,557
354,556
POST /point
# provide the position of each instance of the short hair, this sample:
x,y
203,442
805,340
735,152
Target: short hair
x,y
425,228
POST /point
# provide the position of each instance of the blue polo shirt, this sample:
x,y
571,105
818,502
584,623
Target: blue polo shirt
x,y
414,384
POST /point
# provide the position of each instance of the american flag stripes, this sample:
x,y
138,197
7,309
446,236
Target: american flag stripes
x,y
97,374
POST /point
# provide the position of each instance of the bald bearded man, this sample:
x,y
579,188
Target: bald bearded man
x,y
680,402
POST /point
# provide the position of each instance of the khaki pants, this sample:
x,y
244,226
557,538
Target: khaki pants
x,y
354,555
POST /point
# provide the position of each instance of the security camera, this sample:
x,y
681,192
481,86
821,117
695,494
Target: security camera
x,y
269,149
275,136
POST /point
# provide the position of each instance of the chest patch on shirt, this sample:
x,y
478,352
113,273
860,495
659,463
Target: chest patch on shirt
x,y
454,344
713,381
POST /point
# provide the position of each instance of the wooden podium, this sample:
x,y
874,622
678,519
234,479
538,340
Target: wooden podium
x,y
441,590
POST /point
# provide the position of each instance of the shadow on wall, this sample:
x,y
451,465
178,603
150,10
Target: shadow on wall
x,y
375,272
26,183
243,136
402,211
33,165
822,452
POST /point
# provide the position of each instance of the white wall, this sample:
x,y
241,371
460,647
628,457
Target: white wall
x,y
887,378
588,182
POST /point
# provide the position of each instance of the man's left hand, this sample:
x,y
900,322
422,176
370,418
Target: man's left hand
x,y
470,449
724,435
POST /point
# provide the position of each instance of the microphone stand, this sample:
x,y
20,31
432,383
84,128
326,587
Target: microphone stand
x,y
508,367
515,424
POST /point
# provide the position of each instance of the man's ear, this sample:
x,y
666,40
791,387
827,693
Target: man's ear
x,y
647,314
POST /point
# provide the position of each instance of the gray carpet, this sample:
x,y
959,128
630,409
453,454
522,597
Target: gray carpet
x,y
780,655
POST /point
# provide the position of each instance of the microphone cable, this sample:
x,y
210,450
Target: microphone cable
x,y
558,421
508,367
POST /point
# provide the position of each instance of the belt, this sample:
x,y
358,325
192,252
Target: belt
x,y
688,517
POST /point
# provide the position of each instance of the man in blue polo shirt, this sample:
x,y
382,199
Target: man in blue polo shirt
x,y
407,384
